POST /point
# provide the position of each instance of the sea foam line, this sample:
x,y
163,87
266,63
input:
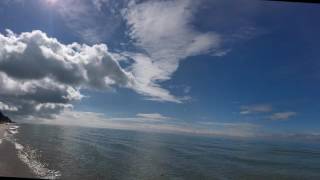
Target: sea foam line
x,y
30,157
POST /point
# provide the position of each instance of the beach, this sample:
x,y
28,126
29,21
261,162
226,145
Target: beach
x,y
10,164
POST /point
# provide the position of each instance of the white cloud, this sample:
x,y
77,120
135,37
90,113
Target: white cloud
x,y
153,116
6,107
282,115
38,72
34,56
258,108
146,74
163,30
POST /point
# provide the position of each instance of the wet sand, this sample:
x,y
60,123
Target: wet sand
x,y
3,127
10,164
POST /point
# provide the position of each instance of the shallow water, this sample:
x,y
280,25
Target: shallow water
x,y
88,153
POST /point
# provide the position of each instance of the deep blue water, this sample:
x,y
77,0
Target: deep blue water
x,y
88,153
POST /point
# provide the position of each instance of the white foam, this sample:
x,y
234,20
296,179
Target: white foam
x,y
13,127
30,157
13,131
18,146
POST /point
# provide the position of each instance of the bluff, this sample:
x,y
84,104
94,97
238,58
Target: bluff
x,y
4,119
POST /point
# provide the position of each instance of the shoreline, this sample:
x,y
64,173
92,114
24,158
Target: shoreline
x,y
10,164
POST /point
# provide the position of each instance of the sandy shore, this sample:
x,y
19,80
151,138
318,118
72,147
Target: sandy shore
x,y
10,164
3,128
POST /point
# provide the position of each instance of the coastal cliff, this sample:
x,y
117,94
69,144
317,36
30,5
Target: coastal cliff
x,y
4,119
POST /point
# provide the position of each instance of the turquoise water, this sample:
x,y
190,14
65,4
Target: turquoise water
x,y
87,153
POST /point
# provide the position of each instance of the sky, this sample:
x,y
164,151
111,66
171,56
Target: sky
x,y
236,68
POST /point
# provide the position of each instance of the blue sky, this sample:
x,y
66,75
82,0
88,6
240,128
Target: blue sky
x,y
237,68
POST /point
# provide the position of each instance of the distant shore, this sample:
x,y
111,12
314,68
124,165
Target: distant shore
x,y
10,164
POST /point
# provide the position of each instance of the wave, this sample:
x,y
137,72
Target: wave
x,y
30,156
13,127
13,131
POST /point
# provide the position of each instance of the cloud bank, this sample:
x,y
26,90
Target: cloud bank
x,y
148,123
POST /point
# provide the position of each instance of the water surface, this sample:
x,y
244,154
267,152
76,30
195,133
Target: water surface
x,y
88,153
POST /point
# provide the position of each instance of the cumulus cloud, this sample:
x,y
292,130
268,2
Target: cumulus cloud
x,y
259,108
6,107
282,115
40,74
34,56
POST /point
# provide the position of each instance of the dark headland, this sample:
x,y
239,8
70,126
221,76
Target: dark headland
x,y
4,119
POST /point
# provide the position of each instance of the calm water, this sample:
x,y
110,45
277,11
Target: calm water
x,y
87,153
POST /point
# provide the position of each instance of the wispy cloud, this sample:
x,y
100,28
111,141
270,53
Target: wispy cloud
x,y
162,29
258,108
153,116
282,115
86,19
267,110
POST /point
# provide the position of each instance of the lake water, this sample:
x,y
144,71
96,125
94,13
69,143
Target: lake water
x,y
88,153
